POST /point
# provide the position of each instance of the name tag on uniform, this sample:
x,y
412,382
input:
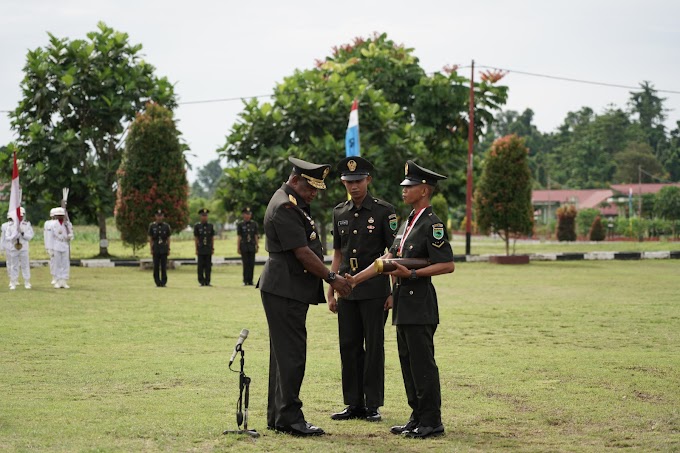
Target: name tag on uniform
x,y
343,222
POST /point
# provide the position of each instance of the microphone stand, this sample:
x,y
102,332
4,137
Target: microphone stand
x,y
241,411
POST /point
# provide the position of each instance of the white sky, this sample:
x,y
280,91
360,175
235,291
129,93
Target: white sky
x,y
226,49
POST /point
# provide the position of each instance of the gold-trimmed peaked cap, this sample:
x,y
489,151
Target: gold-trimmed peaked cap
x,y
415,174
354,168
313,173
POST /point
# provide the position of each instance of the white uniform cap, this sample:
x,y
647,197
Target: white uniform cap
x,y
59,211
52,212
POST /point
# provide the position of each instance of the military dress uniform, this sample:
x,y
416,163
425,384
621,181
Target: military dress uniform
x,y
15,242
61,235
287,290
248,237
204,237
159,235
362,234
415,311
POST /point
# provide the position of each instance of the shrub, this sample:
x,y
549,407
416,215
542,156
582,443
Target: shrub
x,y
566,226
597,232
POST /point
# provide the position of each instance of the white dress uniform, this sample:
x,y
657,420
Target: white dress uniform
x,y
62,234
7,239
49,247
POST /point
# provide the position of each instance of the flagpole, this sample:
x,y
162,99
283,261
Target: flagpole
x,y
471,138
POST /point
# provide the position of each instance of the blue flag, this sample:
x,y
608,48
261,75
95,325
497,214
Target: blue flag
x,y
352,136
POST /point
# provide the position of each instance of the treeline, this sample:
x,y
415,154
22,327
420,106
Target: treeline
x,y
594,150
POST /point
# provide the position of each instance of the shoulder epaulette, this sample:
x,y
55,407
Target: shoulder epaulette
x,y
383,203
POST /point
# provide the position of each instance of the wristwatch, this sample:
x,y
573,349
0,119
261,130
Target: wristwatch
x,y
330,278
413,276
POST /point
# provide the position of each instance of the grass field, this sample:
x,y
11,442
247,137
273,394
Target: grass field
x,y
561,356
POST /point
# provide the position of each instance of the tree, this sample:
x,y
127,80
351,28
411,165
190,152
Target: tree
x,y
207,180
651,114
585,219
404,114
667,205
597,232
503,196
77,98
152,176
566,227
634,157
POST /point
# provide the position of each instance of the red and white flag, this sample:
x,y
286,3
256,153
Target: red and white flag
x,y
15,194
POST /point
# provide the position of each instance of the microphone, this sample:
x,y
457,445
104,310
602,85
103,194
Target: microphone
x,y
241,338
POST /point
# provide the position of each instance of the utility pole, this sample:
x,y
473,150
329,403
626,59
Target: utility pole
x,y
640,191
471,139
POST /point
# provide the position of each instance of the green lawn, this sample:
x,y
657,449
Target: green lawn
x,y
561,356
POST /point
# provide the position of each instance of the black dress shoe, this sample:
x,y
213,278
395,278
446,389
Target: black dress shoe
x,y
400,429
349,413
421,432
303,429
372,414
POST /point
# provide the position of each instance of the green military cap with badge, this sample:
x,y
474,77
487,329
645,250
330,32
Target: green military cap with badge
x,y
313,173
354,168
415,174
203,211
246,210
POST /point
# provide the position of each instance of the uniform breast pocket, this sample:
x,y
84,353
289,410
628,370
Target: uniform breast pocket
x,y
413,293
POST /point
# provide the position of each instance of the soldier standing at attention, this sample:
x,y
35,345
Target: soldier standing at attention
x,y
204,237
62,235
49,243
159,242
248,243
415,311
291,281
363,229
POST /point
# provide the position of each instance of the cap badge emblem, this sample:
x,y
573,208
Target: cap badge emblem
x,y
406,169
352,165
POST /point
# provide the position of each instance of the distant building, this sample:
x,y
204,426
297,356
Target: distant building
x,y
611,202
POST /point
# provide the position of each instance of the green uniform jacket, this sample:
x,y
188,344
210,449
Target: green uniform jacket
x,y
287,226
247,231
363,235
415,301
205,233
160,232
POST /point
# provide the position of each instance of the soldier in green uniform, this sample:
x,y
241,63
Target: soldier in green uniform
x,y
204,238
415,311
363,229
159,242
248,243
291,281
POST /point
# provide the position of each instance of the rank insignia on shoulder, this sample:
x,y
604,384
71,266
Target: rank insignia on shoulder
x,y
292,199
438,244
438,231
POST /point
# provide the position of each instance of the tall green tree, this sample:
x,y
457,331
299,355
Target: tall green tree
x,y
207,180
403,114
650,113
634,157
667,205
78,97
152,176
503,195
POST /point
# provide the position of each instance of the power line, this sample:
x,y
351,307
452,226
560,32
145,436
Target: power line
x,y
568,79
532,74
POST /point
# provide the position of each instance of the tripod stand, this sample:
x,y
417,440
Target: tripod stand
x,y
241,407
